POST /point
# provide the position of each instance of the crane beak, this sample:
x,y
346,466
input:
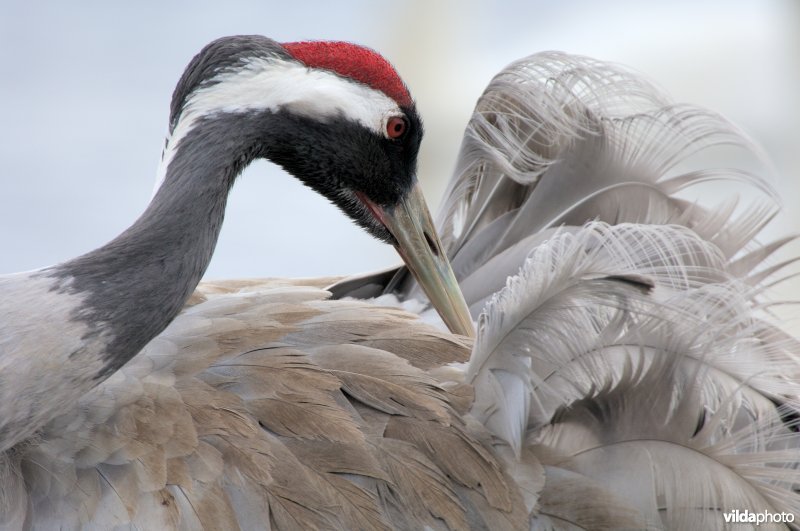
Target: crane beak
x,y
418,244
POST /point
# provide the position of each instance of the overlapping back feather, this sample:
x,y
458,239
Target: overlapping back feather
x,y
624,340
266,406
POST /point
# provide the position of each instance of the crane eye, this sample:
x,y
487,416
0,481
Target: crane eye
x,y
396,127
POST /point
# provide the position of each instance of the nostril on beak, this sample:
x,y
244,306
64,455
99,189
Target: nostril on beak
x,y
431,244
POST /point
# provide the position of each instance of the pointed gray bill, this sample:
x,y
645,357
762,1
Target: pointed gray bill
x,y
419,246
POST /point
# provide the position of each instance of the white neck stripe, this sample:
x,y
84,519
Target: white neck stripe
x,y
270,85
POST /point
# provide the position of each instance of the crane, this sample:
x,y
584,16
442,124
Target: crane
x,y
625,373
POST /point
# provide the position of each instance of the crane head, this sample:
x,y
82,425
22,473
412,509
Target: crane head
x,y
338,117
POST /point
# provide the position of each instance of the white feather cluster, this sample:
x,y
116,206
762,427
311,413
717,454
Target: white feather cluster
x,y
625,342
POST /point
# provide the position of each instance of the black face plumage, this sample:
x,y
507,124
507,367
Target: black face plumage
x,y
341,159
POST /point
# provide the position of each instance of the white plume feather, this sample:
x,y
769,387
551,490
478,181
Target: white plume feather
x,y
633,355
561,140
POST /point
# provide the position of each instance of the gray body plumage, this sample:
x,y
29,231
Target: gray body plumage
x,y
48,357
625,373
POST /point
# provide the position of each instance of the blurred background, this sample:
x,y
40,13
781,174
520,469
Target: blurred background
x,y
85,89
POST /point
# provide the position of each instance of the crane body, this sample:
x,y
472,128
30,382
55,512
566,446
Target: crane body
x,y
626,371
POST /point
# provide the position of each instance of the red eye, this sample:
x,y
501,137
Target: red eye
x,y
396,127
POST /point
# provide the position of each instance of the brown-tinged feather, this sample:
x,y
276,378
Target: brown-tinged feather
x,y
178,473
205,464
383,381
360,506
296,415
459,455
418,487
334,457
426,348
215,412
581,501
151,470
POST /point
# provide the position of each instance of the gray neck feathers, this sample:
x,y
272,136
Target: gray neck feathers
x,y
137,283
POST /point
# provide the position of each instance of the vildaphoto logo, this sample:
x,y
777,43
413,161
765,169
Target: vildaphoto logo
x,y
764,517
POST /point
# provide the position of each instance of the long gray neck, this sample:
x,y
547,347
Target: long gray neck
x,y
136,284
66,328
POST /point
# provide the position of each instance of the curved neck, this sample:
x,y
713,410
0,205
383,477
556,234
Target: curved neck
x,y
136,284
111,302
